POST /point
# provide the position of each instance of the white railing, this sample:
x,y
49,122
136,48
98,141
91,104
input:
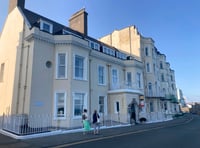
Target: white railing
x,y
24,124
154,94
159,116
34,124
31,124
124,85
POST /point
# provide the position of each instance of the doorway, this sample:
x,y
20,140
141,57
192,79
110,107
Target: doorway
x,y
132,112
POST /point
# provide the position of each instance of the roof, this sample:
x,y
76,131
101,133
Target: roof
x,y
34,21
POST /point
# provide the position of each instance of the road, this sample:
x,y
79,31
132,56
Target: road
x,y
186,135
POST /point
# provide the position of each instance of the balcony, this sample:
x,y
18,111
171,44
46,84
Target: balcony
x,y
172,98
154,95
126,87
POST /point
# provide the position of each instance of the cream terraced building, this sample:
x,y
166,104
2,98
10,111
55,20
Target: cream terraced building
x,y
48,68
159,79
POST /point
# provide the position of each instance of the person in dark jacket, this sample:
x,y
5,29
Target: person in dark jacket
x,y
96,122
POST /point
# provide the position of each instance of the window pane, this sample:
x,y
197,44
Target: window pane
x,y
101,74
129,80
101,104
148,67
79,67
60,110
78,103
117,106
146,51
61,65
61,57
151,107
61,72
46,27
138,80
114,76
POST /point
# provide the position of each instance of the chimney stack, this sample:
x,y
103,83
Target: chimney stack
x,y
78,21
16,3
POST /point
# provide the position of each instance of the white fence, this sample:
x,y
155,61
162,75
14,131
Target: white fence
x,y
24,124
32,124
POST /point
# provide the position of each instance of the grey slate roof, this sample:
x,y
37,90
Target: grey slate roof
x,y
34,20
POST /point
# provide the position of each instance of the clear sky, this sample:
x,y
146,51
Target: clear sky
x,y
173,24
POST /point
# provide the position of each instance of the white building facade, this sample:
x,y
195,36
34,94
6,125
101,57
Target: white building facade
x,y
159,79
48,68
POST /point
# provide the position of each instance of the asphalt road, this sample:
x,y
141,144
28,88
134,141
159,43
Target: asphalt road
x,y
186,135
183,132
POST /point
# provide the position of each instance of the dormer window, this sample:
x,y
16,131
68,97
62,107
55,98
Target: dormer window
x,y
108,51
46,26
121,55
94,45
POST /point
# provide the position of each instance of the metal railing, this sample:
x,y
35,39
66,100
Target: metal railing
x,y
24,124
33,124
125,85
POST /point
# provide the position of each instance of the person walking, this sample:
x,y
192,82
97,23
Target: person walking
x,y
96,122
86,124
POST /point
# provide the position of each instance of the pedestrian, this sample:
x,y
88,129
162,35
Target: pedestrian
x,y
86,124
96,122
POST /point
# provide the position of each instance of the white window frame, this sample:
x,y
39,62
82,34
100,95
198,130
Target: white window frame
x,y
129,79
115,77
108,51
138,79
121,55
104,75
56,105
84,105
104,105
84,68
57,65
42,23
94,45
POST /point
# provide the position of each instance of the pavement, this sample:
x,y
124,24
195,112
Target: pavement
x,y
64,139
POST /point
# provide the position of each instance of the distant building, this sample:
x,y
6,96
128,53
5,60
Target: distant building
x,y
195,109
181,98
48,68
159,78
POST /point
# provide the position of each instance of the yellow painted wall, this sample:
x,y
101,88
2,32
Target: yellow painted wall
x,y
9,46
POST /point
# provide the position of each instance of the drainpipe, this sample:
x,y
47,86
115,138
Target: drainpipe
x,y
109,86
90,90
26,77
20,69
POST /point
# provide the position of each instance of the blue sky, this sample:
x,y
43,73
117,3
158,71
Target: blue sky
x,y
173,24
